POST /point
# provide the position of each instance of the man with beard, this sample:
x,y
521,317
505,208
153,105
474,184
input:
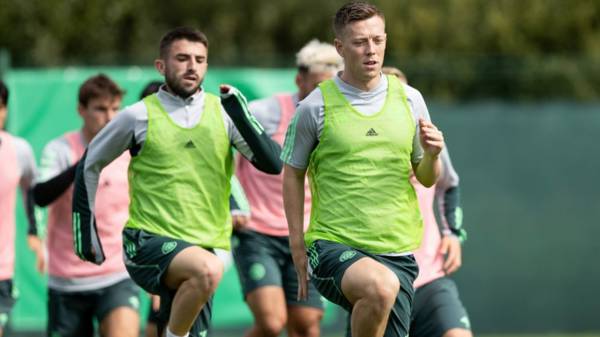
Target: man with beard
x,y
80,293
359,136
180,140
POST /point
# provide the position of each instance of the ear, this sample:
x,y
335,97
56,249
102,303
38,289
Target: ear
x,y
159,64
80,109
298,79
338,46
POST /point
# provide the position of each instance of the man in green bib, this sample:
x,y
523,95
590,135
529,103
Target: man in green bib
x,y
180,141
359,136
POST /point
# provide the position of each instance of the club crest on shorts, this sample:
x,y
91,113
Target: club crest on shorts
x,y
257,271
168,247
347,255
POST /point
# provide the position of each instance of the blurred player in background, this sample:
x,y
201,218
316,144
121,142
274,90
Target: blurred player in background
x,y
437,308
359,140
261,249
181,139
17,170
80,292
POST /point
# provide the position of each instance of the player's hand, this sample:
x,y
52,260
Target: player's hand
x,y
450,248
301,264
239,221
155,302
225,89
432,139
37,247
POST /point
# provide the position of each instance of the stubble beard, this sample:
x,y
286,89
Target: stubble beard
x,y
175,85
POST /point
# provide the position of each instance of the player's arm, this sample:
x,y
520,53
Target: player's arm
x,y
115,138
448,200
293,201
238,204
44,193
301,139
28,172
264,151
427,144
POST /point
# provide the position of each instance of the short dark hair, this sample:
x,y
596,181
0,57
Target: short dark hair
x,y
3,93
181,33
354,11
98,86
150,88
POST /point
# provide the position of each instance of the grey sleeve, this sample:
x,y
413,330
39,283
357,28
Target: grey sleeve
x,y
114,139
303,133
56,157
448,177
267,112
419,110
27,166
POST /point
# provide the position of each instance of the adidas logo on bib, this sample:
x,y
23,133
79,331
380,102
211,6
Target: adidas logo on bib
x,y
372,132
190,145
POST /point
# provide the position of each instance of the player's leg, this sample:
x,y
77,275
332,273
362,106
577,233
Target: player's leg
x,y
304,321
356,281
268,308
117,310
7,301
255,257
183,274
194,273
372,289
438,311
152,319
406,270
70,314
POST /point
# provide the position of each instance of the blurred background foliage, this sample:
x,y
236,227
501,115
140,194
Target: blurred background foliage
x,y
450,49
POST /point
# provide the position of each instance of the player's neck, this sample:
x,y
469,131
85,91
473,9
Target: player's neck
x,y
366,84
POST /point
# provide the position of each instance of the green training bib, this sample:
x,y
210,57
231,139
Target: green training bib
x,y
179,183
359,175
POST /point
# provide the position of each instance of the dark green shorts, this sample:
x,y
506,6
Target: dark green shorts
x,y
437,309
264,260
329,261
73,313
8,297
147,258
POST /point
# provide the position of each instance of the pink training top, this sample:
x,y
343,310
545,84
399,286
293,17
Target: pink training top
x,y
265,191
9,181
111,214
428,258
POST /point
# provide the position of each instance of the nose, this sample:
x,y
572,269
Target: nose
x,y
370,47
192,64
110,114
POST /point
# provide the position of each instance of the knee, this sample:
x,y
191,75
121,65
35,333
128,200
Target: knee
x,y
272,325
206,276
308,326
383,291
